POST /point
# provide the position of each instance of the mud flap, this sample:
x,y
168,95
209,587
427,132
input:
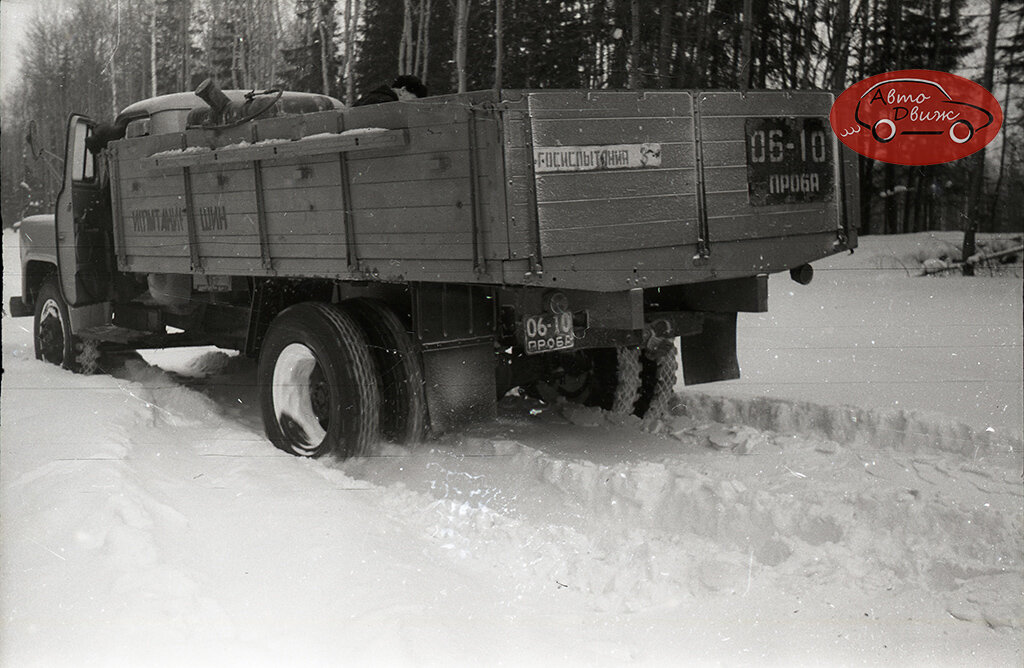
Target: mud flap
x,y
711,355
460,385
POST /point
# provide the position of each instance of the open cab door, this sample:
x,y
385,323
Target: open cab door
x,y
84,240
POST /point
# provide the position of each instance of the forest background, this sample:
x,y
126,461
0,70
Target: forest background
x,y
97,56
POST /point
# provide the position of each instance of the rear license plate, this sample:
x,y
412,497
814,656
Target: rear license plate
x,y
544,333
789,160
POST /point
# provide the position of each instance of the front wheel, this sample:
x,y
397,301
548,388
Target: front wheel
x,y
51,330
318,387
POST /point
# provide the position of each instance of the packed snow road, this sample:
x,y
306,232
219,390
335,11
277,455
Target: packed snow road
x,y
146,520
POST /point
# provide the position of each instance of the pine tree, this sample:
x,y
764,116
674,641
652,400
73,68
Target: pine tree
x,y
311,61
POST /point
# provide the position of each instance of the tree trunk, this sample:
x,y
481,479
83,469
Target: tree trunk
x,y
839,56
633,62
461,27
351,8
405,45
499,41
665,44
891,203
324,57
748,27
152,51
1006,105
682,62
810,17
977,186
425,41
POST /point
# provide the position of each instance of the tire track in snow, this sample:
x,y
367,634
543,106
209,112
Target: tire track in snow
x,y
691,520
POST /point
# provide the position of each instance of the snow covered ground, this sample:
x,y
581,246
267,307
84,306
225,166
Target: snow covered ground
x,y
147,522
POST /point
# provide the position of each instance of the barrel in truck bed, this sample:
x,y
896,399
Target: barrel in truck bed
x,y
599,191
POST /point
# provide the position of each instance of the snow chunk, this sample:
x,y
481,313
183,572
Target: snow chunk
x,y
191,150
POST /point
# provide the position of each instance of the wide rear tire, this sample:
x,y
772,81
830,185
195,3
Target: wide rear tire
x,y
318,386
403,412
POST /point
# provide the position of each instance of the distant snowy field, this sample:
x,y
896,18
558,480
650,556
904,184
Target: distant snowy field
x,y
856,498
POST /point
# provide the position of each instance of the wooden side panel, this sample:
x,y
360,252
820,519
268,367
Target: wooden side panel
x,y
401,210
225,216
153,212
642,191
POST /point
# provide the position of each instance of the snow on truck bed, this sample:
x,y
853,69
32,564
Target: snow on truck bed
x,y
147,521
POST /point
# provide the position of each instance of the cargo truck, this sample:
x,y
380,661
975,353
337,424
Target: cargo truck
x,y
397,268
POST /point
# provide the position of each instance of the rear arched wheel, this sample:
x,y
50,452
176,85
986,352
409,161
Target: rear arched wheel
x,y
51,331
318,386
403,412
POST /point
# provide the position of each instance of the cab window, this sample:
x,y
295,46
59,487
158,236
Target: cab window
x,y
82,166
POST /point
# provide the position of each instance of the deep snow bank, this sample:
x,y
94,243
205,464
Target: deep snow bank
x,y
893,428
147,521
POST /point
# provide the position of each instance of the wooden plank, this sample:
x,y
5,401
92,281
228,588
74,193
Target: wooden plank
x,y
724,154
581,215
448,246
324,198
230,203
293,223
136,186
221,245
766,103
271,149
569,186
234,266
309,245
223,179
447,192
607,238
413,220
591,132
760,226
723,129
423,167
598,104
301,173
171,247
726,179
738,204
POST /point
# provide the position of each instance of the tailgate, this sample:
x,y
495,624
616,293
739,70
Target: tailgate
x,y
769,165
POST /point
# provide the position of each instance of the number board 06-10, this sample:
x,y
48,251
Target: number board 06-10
x,y
789,160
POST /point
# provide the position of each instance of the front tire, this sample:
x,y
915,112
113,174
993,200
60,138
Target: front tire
x,y
51,330
318,388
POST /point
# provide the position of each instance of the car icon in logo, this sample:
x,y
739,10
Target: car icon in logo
x,y
907,106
